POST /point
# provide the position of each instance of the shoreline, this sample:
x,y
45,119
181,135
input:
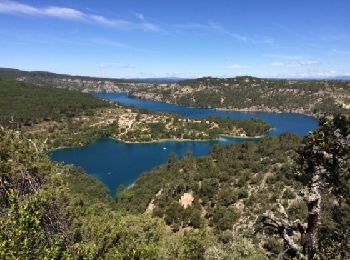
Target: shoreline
x,y
160,141
188,140
243,110
264,111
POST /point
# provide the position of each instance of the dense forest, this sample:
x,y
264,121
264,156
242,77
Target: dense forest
x,y
25,104
66,118
311,97
283,197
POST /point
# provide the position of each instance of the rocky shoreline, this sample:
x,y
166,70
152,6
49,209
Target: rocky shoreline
x,y
253,109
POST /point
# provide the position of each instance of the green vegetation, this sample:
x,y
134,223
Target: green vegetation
x,y
324,169
281,197
213,207
25,104
77,83
312,97
63,118
235,184
50,211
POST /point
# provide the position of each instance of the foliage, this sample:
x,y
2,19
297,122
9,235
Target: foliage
x,y
254,94
231,176
63,118
22,103
26,230
326,155
70,215
239,249
323,168
51,211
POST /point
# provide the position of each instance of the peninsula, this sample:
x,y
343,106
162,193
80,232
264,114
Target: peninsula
x,y
63,118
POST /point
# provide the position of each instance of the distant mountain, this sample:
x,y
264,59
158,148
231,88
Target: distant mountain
x,y
16,74
156,80
251,94
341,78
327,78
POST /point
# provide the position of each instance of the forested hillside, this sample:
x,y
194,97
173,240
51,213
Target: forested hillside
x,y
244,201
50,211
65,118
229,188
282,197
25,104
310,97
289,196
78,83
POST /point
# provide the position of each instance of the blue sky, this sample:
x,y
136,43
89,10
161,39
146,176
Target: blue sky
x,y
177,38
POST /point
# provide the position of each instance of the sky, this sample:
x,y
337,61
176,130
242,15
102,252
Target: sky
x,y
177,38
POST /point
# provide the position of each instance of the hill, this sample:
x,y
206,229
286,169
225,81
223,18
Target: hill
x,y
61,213
27,104
283,193
79,83
66,118
195,208
311,97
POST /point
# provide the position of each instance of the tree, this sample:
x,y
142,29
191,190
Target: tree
x,y
324,165
172,157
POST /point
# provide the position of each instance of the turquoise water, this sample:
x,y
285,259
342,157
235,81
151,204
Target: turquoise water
x,y
285,122
116,163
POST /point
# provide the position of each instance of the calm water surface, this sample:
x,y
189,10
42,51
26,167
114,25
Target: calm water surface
x,y
116,163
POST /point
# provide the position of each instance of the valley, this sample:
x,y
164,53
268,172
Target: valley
x,y
244,93
174,130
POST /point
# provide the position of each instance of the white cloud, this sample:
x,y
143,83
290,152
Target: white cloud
x,y
127,66
295,63
219,28
308,62
146,25
212,26
238,66
12,7
112,43
61,12
277,64
104,66
315,74
119,24
140,16
115,64
284,57
108,42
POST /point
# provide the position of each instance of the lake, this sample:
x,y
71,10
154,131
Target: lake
x,y
116,163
